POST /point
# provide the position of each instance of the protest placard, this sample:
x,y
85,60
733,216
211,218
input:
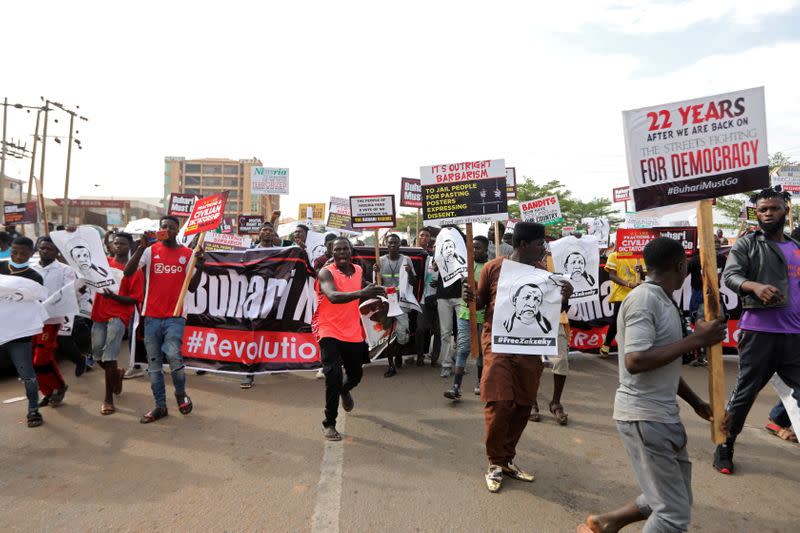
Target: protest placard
x,y
599,228
226,242
697,149
250,224
511,183
339,216
546,210
622,194
631,241
24,213
579,260
180,205
458,193
226,226
640,220
207,214
410,193
269,180
84,253
372,212
313,212
788,177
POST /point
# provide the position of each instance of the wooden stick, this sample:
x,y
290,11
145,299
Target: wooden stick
x,y
377,259
708,262
497,238
473,314
189,272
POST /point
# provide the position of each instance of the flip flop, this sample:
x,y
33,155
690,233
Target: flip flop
x,y
772,427
535,416
107,409
787,434
557,410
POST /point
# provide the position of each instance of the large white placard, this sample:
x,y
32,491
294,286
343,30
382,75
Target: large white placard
x,y
372,212
526,311
83,251
450,256
696,149
578,260
269,180
459,193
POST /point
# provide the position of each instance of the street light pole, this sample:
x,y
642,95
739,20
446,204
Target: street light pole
x,y
3,161
33,155
40,185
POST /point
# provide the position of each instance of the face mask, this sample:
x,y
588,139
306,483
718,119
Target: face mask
x,y
19,265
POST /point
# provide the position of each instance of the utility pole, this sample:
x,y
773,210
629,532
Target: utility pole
x,y
33,156
3,161
40,185
66,177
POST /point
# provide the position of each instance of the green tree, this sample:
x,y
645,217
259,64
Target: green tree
x,y
572,209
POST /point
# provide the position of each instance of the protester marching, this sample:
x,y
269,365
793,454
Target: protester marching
x,y
489,282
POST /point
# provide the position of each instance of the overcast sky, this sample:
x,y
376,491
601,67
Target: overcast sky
x,y
353,95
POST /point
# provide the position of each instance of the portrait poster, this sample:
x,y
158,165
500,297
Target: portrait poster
x,y
578,260
526,311
451,256
83,251
599,228
315,245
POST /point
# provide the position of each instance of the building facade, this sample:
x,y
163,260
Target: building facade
x,y
204,177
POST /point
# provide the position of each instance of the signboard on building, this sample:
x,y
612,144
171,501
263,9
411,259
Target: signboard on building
x,y
250,224
470,191
24,213
410,193
93,203
372,212
180,205
269,180
697,149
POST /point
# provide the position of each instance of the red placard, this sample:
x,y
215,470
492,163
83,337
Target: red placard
x,y
631,242
207,214
410,192
180,205
24,213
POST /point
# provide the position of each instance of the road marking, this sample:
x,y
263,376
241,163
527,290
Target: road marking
x,y
329,491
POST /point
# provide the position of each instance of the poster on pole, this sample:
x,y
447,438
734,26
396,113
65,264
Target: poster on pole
x,y
511,183
631,241
451,256
459,193
24,213
180,205
599,228
372,212
526,312
697,149
410,193
250,224
269,180
578,259
313,212
83,251
788,177
546,210
207,214
622,194
339,216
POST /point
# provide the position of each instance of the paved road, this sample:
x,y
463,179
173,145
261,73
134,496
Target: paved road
x,y
411,461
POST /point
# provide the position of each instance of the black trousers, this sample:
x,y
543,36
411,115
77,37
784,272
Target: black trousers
x,y
427,325
760,356
612,327
335,355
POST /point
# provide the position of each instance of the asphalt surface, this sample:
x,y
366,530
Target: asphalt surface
x,y
253,460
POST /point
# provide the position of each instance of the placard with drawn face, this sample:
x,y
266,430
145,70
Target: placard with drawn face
x,y
598,228
578,259
83,251
451,256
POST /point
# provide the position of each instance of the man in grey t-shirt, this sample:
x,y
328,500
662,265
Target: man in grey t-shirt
x,y
651,345
392,266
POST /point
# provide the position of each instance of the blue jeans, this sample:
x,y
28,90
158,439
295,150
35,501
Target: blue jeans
x,y
107,339
779,415
163,338
21,354
462,344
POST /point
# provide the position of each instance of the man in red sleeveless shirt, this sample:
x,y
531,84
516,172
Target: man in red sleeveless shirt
x,y
337,325
165,264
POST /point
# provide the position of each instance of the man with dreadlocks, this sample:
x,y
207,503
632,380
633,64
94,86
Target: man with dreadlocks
x,y
764,268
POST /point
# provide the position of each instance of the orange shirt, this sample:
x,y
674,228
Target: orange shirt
x,y
339,321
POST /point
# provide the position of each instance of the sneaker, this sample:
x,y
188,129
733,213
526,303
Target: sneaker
x,y
477,390
516,472
247,382
58,396
133,372
494,478
320,374
331,434
89,362
723,459
80,366
446,372
453,393
347,401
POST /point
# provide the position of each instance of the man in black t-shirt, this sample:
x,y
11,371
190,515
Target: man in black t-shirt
x,y
20,350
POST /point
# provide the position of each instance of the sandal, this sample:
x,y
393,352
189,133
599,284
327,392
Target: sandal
x,y
118,385
787,434
535,416
35,419
153,415
107,409
604,351
184,403
558,413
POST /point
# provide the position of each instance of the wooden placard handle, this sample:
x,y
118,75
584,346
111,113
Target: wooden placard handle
x,y
189,272
377,260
